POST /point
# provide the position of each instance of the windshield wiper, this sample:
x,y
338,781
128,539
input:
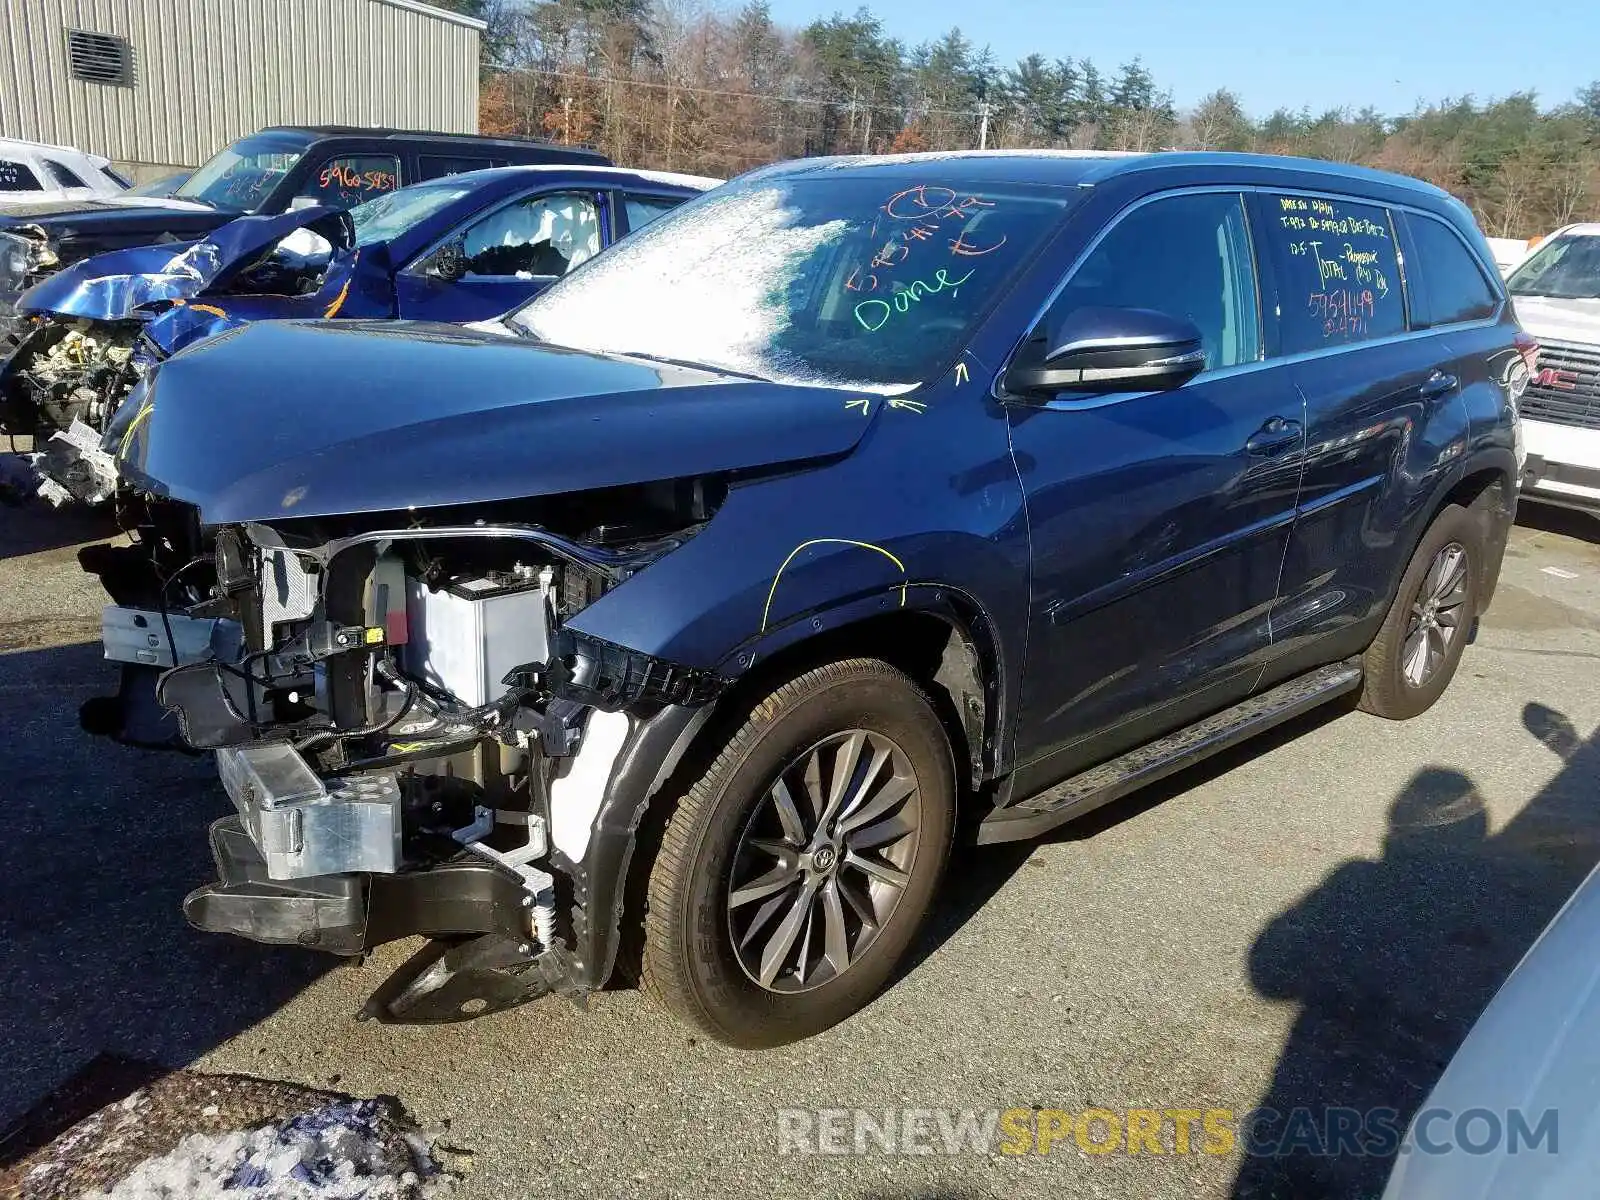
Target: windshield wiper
x,y
693,366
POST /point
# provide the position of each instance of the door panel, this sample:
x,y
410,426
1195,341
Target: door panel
x,y
423,298
1158,520
1370,390
1365,408
1157,542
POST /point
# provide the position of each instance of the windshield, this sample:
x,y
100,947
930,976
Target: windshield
x,y
847,281
1567,268
240,178
393,213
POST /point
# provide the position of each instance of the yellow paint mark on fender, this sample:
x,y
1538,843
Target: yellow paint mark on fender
x,y
208,308
915,406
338,301
961,372
866,405
127,435
766,611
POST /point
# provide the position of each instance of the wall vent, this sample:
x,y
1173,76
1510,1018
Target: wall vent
x,y
100,57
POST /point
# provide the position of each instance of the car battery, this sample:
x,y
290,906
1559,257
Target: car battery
x,y
468,634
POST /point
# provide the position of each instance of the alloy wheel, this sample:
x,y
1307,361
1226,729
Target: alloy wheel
x,y
1436,615
823,861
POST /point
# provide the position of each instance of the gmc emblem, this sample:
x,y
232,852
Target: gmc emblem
x,y
1563,381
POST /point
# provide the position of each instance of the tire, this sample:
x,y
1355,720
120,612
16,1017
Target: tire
x,y
1436,604
732,851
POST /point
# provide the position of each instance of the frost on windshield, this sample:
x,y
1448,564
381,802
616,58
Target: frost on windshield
x,y
712,288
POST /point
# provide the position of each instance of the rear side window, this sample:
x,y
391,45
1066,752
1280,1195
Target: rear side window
x,y
18,177
1454,283
437,166
642,210
1338,271
63,175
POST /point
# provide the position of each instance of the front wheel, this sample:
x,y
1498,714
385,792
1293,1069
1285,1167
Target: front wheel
x,y
1415,654
793,876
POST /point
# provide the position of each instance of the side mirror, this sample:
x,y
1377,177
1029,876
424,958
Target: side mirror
x,y
1107,350
449,262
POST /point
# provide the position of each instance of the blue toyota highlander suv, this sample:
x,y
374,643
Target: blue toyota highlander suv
x,y
857,502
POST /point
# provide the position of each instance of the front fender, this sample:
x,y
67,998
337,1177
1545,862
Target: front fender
x,y
775,565
650,754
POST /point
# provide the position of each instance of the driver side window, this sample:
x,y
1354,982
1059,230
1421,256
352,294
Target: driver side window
x,y
1186,256
536,236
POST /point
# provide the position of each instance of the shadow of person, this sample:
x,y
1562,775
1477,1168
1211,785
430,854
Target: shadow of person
x,y
1392,960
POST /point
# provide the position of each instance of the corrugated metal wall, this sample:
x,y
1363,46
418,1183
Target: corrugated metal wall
x,y
207,71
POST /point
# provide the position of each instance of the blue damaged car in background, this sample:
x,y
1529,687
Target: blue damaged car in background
x,y
458,249
853,503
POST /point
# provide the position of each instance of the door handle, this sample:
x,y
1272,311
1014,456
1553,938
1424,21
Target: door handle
x,y
1277,433
1437,385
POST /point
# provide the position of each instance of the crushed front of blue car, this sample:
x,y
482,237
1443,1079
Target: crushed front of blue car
x,y
86,335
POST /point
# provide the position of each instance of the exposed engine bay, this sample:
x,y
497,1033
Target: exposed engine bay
x,y
73,371
63,386
413,739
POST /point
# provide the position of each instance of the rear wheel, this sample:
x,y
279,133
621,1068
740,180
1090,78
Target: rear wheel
x,y
1416,653
793,876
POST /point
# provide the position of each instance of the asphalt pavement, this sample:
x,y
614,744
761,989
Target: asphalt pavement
x,y
1312,921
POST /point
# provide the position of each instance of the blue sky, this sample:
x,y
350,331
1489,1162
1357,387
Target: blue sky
x,y
1387,53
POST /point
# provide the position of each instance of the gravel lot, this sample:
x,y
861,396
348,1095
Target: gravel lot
x,y
1314,921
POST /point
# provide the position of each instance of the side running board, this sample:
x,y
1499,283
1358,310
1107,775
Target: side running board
x,y
1155,760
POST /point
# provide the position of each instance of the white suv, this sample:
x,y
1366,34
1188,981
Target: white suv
x,y
31,172
1557,296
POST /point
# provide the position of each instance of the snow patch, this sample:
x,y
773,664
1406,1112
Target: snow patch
x,y
708,286
335,1152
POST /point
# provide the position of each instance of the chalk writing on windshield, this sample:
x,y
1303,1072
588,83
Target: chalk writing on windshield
x,y
920,221
874,314
925,241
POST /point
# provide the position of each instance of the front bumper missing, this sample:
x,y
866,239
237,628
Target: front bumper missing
x,y
479,960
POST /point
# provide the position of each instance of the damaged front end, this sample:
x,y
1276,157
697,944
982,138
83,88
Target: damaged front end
x,y
85,336
416,742
402,622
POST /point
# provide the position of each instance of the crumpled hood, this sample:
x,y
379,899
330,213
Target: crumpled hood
x,y
1560,320
115,285
285,419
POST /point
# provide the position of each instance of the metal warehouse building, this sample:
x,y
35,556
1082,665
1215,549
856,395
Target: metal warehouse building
x,y
156,85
